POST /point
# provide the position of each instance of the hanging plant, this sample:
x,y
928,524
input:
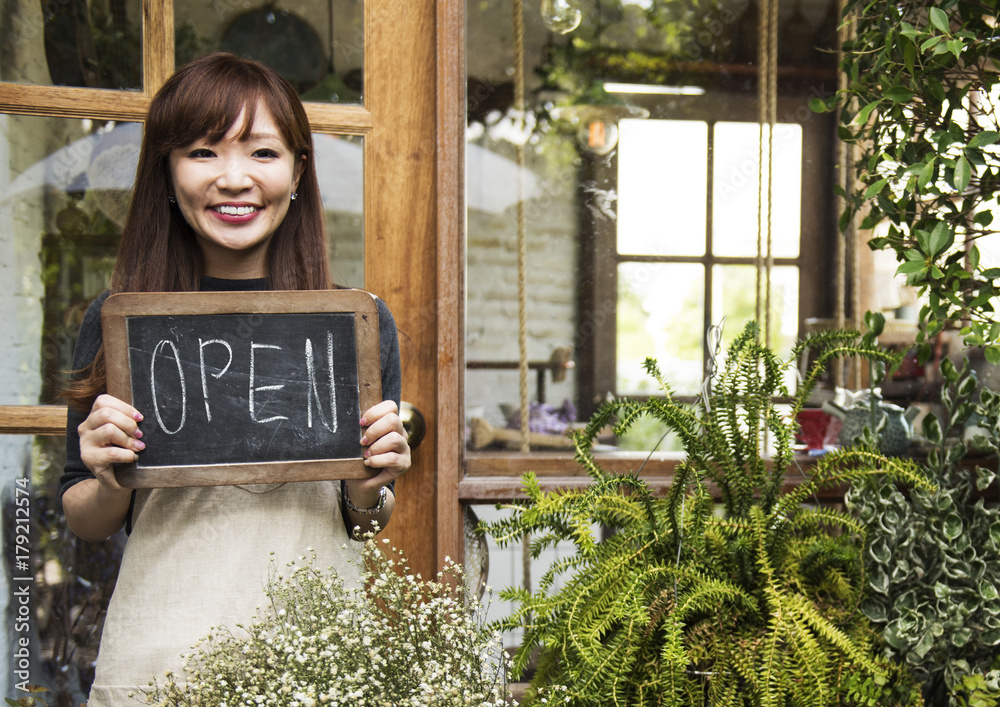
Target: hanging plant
x,y
920,108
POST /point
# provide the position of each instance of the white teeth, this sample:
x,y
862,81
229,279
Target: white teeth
x,y
236,210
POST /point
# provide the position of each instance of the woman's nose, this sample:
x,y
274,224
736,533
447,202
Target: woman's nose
x,y
235,176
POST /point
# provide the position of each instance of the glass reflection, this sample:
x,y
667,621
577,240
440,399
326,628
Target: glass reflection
x,y
660,315
340,170
318,45
95,44
64,198
640,147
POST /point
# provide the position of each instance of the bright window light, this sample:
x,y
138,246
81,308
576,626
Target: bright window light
x,y
650,88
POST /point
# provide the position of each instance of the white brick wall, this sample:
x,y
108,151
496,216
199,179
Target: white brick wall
x,y
492,321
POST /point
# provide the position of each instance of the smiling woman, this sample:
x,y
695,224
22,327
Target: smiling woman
x,y
226,199
234,193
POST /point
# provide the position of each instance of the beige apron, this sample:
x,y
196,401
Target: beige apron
x,y
200,557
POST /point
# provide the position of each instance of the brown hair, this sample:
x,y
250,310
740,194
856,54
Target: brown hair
x,y
158,251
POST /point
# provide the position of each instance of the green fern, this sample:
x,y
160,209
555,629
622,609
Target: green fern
x,y
684,602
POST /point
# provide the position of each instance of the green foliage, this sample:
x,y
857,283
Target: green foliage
x,y
980,690
933,559
920,108
754,601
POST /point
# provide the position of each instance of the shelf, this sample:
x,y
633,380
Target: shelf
x,y
495,477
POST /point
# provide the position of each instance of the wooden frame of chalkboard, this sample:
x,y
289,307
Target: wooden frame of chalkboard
x,y
244,387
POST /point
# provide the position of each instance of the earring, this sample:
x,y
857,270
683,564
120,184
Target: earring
x,y
171,198
294,194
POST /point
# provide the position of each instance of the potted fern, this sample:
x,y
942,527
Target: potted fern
x,y
753,600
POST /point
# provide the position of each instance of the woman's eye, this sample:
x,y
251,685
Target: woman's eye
x,y
265,152
202,152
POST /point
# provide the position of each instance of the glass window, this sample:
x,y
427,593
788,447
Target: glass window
x,y
636,161
65,194
340,170
662,173
661,314
86,43
317,45
735,192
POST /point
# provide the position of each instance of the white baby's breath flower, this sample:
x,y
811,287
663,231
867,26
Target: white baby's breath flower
x,y
322,644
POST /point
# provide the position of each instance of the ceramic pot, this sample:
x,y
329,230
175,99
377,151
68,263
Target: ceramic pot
x,y
893,424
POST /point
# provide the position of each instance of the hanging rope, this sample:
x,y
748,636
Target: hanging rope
x,y
841,264
767,113
522,246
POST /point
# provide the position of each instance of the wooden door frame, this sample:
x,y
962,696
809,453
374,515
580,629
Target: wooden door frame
x,y
415,178
413,121
450,412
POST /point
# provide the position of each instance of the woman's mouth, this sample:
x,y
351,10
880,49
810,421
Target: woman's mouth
x,y
233,213
235,210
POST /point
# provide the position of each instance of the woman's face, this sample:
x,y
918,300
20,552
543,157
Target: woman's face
x,y
235,194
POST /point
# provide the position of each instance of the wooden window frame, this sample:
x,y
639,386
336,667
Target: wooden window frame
x,y
131,106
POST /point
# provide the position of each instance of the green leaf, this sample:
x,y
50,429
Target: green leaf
x,y
926,173
938,240
952,526
899,94
910,267
988,591
939,19
986,137
875,188
949,371
984,218
875,321
932,429
862,117
967,386
992,354
963,173
818,105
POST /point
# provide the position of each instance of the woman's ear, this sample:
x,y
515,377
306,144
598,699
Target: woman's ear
x,y
300,166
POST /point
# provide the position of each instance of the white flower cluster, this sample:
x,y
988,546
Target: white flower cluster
x,y
399,641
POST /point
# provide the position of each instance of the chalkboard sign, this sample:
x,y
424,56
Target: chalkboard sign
x,y
244,387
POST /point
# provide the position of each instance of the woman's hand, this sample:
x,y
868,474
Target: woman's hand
x,y
384,441
96,508
110,435
387,453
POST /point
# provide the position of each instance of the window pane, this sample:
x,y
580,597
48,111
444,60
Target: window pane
x,y
65,196
63,199
733,296
340,169
317,45
662,173
660,315
735,192
95,44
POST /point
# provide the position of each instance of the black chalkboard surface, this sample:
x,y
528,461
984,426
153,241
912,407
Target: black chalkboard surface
x,y
244,387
